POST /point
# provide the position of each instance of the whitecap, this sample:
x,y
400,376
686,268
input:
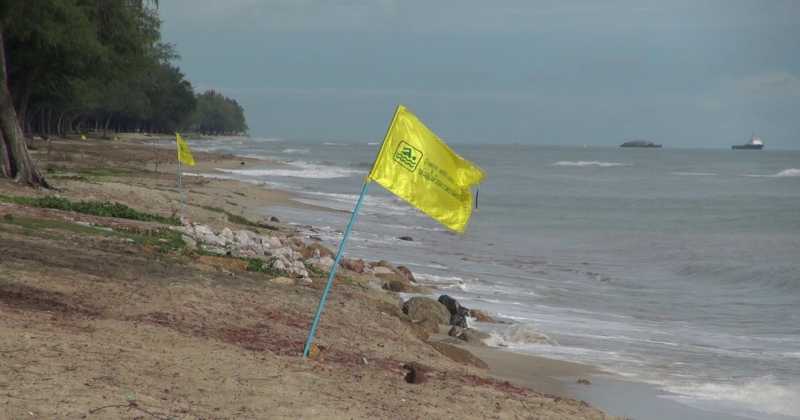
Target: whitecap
x,y
295,151
596,163
786,173
694,173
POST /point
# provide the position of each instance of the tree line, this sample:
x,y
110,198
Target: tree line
x,y
75,66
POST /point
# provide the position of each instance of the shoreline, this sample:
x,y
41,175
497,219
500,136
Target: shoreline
x,y
213,333
560,377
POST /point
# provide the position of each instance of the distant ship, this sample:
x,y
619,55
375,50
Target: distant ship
x,y
755,143
640,143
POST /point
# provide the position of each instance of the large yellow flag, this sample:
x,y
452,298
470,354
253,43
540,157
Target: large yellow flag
x,y
184,154
420,168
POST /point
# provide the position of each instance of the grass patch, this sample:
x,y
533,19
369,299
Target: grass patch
x,y
163,240
240,220
261,266
213,209
95,208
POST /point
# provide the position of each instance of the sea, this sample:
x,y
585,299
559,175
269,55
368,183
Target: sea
x,y
678,268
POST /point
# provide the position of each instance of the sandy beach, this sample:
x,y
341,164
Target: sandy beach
x,y
102,317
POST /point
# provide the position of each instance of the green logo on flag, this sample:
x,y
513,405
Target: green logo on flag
x,y
408,156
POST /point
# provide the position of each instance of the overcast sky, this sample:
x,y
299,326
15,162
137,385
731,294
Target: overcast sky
x,y
678,72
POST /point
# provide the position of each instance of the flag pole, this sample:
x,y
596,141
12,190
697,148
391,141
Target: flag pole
x,y
180,187
332,273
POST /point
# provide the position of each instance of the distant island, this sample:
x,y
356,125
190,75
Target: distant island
x,y
640,143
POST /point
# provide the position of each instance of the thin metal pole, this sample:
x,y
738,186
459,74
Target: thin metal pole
x,y
332,273
180,188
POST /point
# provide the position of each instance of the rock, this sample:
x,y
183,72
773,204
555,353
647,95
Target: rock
x,y
416,373
384,263
481,316
282,280
405,272
584,381
274,242
279,264
399,285
458,313
381,270
455,331
274,219
227,235
405,238
357,266
191,244
422,308
323,264
458,354
470,335
316,250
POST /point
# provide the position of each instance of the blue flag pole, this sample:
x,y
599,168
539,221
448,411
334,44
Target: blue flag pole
x,y
332,273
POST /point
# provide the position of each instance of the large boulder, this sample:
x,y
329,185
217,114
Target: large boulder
x,y
458,313
470,335
316,250
357,266
405,272
423,308
398,285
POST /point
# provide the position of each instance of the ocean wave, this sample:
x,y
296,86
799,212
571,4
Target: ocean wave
x,y
295,151
373,143
596,163
786,173
331,143
516,335
444,282
761,395
694,173
300,170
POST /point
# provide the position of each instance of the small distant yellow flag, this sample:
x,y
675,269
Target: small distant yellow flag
x,y
184,154
83,137
417,166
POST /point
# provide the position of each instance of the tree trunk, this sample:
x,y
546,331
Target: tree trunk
x,y
16,160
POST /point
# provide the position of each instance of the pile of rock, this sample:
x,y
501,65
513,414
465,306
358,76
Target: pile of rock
x,y
281,253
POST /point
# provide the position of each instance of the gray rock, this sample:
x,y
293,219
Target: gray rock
x,y
422,308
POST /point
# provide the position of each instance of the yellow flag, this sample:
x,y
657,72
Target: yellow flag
x,y
419,167
184,154
83,137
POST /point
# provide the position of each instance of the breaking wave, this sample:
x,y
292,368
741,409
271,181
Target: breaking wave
x,y
589,163
760,395
295,151
299,169
786,173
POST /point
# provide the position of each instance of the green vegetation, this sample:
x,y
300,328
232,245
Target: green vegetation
x,y
95,208
216,114
163,240
267,267
73,66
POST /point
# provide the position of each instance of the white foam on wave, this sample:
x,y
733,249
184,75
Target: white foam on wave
x,y
786,173
694,173
444,282
518,335
331,143
763,395
596,163
295,151
373,143
299,169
